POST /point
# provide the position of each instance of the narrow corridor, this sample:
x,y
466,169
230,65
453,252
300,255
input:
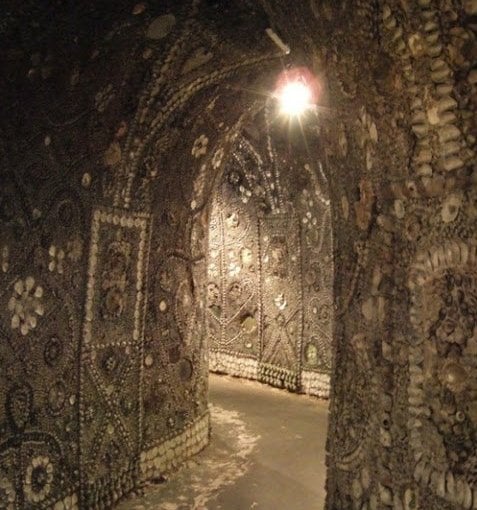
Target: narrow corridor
x,y
267,453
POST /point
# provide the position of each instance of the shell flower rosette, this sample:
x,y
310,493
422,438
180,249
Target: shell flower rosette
x,y
7,494
200,146
26,305
38,480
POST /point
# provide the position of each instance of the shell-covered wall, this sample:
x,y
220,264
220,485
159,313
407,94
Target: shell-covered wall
x,y
104,217
103,373
270,268
399,133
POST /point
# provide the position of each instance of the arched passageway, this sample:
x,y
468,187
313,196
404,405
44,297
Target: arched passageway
x,y
103,222
267,294
269,261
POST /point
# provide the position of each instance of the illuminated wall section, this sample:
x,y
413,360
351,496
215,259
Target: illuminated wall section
x,y
269,297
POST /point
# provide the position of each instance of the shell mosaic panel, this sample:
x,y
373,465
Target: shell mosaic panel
x,y
262,258
112,352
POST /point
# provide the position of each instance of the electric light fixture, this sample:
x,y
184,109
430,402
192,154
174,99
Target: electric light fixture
x,y
295,98
296,92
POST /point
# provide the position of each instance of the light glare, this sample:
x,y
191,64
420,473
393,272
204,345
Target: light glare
x,y
295,98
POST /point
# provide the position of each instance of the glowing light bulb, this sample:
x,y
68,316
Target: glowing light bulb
x,y
297,90
295,98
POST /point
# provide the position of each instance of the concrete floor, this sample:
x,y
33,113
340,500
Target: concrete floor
x,y
267,453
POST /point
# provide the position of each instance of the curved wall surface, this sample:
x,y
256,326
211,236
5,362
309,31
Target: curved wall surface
x,y
103,374
116,125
